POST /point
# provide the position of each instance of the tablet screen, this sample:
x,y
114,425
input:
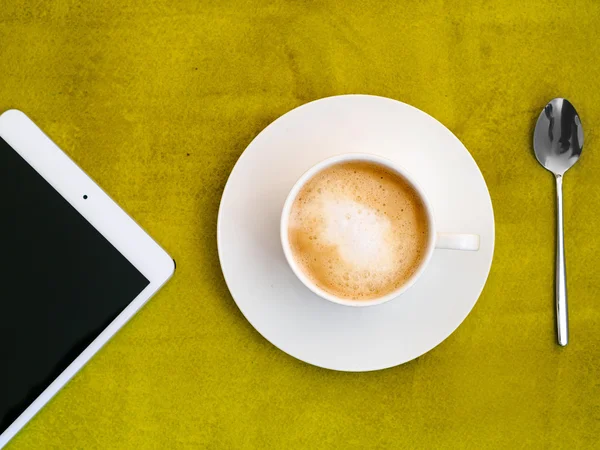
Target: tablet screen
x,y
61,284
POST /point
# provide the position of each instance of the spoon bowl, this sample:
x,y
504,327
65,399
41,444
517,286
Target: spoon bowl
x,y
558,137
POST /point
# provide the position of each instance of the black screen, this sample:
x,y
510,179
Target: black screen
x,y
61,284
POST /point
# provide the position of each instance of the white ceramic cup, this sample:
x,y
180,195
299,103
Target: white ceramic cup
x,y
436,239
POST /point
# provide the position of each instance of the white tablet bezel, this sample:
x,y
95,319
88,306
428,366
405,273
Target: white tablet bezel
x,y
105,215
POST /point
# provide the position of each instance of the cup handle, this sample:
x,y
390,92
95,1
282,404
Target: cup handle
x,y
456,241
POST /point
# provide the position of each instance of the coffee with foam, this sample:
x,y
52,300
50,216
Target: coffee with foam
x,y
358,230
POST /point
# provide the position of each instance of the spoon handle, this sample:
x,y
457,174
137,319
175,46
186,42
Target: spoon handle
x,y
562,318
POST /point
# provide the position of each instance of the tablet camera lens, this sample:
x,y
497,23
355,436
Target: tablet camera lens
x,y
85,197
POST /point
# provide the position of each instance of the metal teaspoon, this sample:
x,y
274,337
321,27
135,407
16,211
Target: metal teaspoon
x,y
557,142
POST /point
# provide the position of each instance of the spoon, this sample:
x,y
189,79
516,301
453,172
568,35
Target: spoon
x,y
557,142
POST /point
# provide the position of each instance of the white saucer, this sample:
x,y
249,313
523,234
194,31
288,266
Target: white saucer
x,y
280,307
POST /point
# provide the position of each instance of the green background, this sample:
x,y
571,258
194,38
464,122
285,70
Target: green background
x,y
156,101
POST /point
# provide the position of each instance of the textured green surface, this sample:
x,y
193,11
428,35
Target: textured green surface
x,y
157,100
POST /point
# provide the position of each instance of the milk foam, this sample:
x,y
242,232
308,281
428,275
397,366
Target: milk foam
x,y
357,230
361,234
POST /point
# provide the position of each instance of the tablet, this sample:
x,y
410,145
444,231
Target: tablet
x,y
74,268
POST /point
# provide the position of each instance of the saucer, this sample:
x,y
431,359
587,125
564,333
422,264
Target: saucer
x,y
287,313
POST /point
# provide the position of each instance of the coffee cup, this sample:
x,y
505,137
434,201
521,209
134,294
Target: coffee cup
x,y
361,256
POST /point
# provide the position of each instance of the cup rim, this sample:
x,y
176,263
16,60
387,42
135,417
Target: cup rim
x,y
328,162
